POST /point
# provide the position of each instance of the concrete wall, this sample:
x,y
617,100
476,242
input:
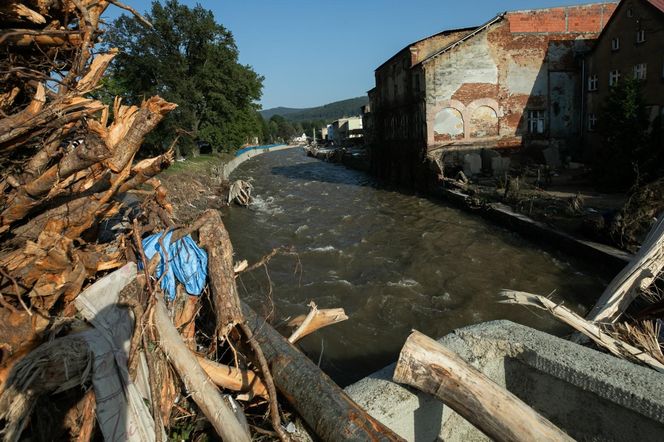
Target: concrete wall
x,y
590,395
235,162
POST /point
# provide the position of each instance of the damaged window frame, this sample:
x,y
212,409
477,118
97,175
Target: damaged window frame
x,y
536,121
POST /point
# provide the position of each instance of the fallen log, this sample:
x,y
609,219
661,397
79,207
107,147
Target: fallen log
x,y
323,405
587,328
637,276
429,366
197,383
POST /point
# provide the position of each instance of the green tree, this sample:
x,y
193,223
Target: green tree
x,y
623,126
189,59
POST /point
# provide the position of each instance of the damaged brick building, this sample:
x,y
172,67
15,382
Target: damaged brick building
x,y
513,82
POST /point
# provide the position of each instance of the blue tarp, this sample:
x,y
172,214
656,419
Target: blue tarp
x,y
186,262
247,149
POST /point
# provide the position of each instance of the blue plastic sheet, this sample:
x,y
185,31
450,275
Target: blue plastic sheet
x,y
186,262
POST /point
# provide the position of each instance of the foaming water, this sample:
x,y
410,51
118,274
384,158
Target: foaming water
x,y
393,261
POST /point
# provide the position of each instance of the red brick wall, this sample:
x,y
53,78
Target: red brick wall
x,y
583,18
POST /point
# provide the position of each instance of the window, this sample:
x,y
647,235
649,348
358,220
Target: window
x,y
536,121
614,76
640,35
630,13
592,122
640,71
593,82
615,44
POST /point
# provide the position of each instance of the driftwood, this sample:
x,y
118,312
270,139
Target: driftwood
x,y
233,378
197,383
325,407
315,320
637,276
214,238
589,329
226,301
427,365
240,192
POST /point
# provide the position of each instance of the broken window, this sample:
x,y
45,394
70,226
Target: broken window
x,y
640,35
593,82
615,44
536,121
640,71
592,122
614,76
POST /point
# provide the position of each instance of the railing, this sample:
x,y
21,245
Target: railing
x,y
247,149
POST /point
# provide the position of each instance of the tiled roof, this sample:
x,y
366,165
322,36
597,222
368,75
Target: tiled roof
x,y
659,4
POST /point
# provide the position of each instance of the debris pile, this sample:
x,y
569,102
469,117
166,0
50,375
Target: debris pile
x,y
114,320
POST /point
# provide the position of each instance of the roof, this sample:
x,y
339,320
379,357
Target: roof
x,y
471,34
447,31
659,4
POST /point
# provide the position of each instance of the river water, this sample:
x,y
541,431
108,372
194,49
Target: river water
x,y
393,261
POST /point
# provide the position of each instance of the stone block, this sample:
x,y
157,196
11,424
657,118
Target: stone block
x,y
500,165
472,164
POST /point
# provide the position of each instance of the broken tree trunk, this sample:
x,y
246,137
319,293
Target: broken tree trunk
x,y
215,240
427,365
324,406
197,383
588,328
637,276
315,320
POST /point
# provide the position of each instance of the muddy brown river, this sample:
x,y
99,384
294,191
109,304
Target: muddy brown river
x,y
393,261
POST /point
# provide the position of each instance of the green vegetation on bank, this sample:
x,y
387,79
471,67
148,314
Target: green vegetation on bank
x,y
189,59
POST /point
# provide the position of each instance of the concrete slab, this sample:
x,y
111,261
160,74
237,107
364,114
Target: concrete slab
x,y
591,395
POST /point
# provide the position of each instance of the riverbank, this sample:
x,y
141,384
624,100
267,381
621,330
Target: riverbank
x,y
201,182
564,219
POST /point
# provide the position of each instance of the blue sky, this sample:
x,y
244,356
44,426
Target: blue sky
x,y
314,52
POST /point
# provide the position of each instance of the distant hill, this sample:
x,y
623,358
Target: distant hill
x,y
328,112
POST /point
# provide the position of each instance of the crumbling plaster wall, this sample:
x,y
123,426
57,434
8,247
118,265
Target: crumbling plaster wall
x,y
526,61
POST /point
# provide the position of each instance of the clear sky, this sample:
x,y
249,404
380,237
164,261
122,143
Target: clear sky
x,y
313,52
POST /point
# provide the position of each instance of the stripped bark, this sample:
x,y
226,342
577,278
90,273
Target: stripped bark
x,y
589,329
429,366
233,378
315,320
642,270
197,383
